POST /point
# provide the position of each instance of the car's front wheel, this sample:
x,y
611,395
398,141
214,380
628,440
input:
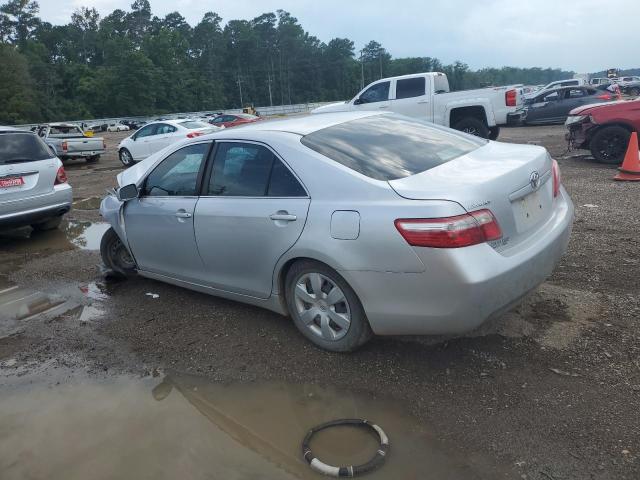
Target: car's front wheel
x,y
125,157
115,255
325,308
609,144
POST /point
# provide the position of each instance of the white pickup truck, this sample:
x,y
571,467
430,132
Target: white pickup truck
x,y
68,140
426,95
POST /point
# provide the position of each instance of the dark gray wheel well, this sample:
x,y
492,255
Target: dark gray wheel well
x,y
458,114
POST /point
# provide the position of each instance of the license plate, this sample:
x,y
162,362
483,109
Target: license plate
x,y
11,182
530,210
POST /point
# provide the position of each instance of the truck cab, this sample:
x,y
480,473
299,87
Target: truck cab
x,y
427,96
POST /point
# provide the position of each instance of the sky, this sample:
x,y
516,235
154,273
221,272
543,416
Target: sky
x,y
579,35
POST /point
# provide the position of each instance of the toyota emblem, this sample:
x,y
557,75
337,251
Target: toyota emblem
x,y
534,180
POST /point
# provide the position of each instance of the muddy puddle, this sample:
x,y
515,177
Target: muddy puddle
x,y
19,304
186,427
71,234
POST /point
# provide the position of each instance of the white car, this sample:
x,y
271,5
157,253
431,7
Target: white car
x,y
155,136
426,96
117,127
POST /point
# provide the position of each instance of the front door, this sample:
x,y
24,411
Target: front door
x,y
374,98
253,211
163,137
159,224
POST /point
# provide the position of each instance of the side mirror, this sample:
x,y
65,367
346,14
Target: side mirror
x,y
357,101
128,192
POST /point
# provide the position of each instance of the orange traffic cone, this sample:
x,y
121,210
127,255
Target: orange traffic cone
x,y
630,169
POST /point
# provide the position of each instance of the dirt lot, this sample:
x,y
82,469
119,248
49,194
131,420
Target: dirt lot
x,y
550,391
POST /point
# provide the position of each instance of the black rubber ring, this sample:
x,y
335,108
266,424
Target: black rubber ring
x,y
351,470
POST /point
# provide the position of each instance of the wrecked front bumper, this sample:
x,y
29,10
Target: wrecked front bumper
x,y
578,133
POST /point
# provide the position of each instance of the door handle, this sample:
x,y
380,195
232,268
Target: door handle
x,y
283,216
384,106
183,214
423,101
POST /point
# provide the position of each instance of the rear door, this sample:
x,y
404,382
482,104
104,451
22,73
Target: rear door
x,y
27,168
253,209
159,224
162,137
410,98
376,97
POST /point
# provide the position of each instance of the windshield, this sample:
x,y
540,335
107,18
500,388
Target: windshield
x,y
388,147
22,147
192,124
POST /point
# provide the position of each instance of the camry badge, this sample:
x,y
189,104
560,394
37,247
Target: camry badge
x,y
534,180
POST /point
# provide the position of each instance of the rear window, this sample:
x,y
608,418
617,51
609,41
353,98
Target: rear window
x,y
410,87
192,125
61,131
388,147
22,147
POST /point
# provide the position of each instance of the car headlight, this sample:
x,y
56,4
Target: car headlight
x,y
571,119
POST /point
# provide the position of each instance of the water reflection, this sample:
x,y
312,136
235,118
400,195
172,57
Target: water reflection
x,y
139,428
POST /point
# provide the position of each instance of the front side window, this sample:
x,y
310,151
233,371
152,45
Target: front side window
x,y
250,170
551,97
410,87
576,93
376,93
177,175
146,131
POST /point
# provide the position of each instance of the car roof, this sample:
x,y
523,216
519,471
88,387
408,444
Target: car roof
x,y
305,125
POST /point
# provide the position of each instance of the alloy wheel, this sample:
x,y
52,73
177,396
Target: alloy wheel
x,y
322,306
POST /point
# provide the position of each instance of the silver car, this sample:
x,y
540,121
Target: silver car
x,y
33,184
352,223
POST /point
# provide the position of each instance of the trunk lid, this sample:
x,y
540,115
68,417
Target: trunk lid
x,y
513,181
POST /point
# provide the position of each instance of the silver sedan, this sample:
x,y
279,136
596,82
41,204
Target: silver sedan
x,y
352,223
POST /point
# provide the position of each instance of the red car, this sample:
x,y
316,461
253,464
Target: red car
x,y
604,129
229,120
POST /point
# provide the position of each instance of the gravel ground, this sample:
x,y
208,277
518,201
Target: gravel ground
x,y
550,391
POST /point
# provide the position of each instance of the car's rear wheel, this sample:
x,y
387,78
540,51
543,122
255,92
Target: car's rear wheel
x,y
609,144
472,126
125,157
325,308
115,255
50,224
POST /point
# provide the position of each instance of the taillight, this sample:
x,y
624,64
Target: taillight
x,y
61,176
510,98
64,145
194,134
604,96
555,170
450,232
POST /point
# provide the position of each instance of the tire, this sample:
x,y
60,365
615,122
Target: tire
x,y
125,157
472,126
115,255
318,325
609,144
50,224
494,132
94,159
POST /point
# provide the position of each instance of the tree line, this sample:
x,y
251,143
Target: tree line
x,y
134,63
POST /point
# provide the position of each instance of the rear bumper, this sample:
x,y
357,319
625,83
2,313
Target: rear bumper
x,y
516,118
461,288
36,209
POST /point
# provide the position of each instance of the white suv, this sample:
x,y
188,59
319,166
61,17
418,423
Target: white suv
x,y
33,184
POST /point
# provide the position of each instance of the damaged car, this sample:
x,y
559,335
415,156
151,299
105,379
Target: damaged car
x,y
353,224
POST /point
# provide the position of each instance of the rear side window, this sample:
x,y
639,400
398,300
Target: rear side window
x,y
388,147
410,87
22,147
250,170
